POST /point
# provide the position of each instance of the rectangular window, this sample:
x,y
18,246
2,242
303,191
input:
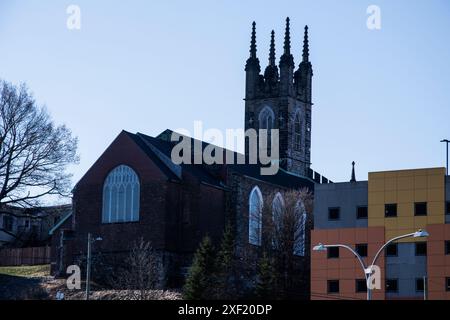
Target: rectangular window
x,y
447,247
447,284
391,285
361,285
390,210
420,209
392,250
420,285
333,286
361,212
334,213
8,223
333,252
421,248
361,249
447,210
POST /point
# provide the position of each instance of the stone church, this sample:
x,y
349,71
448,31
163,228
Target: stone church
x,y
135,190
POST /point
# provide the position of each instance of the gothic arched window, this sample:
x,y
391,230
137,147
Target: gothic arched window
x,y
255,205
266,121
121,193
278,210
297,132
300,232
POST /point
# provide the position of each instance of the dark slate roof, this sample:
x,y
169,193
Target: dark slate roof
x,y
159,149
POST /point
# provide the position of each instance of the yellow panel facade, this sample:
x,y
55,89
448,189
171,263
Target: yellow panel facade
x,y
405,188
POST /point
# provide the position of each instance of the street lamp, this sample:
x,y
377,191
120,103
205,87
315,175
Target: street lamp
x,y
446,141
88,263
368,270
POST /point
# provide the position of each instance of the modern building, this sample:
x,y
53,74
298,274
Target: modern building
x,y
366,214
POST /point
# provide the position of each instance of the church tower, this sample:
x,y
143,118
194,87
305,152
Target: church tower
x,y
281,99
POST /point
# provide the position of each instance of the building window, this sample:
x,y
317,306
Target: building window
x,y
266,121
361,212
297,132
333,286
447,247
8,223
361,249
421,248
391,285
300,232
420,209
255,217
334,213
390,210
447,211
447,284
333,252
392,250
278,211
121,193
420,284
361,285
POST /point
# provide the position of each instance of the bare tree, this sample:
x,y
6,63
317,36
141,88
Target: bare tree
x,y
139,275
34,152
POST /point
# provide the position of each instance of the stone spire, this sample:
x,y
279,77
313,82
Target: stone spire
x,y
353,179
271,73
306,46
287,57
253,42
272,49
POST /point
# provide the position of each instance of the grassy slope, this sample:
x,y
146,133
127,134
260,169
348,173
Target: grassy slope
x,y
26,271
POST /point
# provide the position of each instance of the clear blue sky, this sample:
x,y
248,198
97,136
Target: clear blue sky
x,y
382,98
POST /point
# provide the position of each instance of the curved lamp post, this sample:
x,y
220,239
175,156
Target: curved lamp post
x,y
368,270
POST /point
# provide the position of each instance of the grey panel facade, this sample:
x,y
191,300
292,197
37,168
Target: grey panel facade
x,y
406,267
347,196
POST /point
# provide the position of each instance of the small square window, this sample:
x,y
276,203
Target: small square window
x,y
447,247
447,284
421,248
420,209
420,284
447,210
391,285
390,210
361,212
333,286
361,249
361,285
392,250
334,213
333,252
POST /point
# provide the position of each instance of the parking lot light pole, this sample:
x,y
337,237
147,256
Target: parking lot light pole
x,y
88,263
368,270
446,141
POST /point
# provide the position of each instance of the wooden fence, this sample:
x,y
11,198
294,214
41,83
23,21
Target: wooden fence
x,y
24,256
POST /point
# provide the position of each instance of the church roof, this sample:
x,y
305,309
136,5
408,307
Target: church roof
x,y
159,149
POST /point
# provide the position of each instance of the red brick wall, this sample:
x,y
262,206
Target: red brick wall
x,y
173,216
438,263
346,268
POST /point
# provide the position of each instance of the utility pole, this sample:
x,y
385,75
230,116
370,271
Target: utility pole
x,y
88,263
425,288
446,142
88,266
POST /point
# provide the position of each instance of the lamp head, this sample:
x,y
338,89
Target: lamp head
x,y
421,234
320,247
